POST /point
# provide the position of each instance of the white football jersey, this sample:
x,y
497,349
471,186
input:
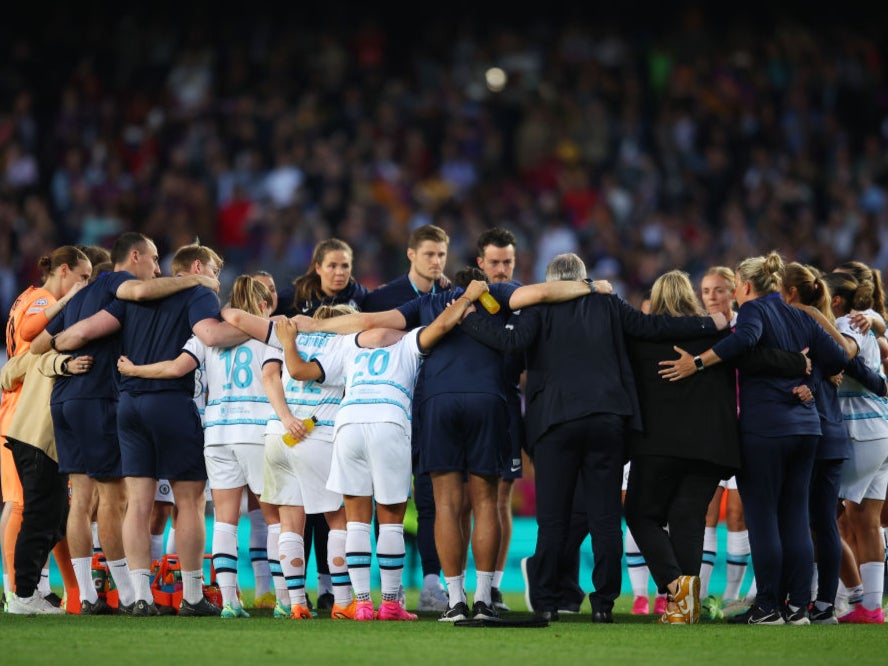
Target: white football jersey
x,y
196,348
311,398
237,408
379,382
866,414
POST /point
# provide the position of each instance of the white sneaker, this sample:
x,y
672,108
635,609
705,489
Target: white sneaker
x,y
433,598
33,605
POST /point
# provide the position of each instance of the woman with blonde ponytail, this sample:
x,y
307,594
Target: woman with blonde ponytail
x,y
778,438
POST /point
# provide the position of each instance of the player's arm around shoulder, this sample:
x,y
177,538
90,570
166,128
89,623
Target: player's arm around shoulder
x,y
151,290
452,315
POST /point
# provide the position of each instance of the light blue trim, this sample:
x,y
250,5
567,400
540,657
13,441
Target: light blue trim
x,y
863,416
390,561
384,382
358,560
238,398
295,582
378,402
229,422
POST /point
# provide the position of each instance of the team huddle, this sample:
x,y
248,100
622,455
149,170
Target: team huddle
x,y
340,404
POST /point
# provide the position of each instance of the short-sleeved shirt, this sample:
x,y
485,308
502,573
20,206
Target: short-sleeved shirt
x,y
157,330
237,408
319,398
102,381
460,364
200,376
379,382
865,414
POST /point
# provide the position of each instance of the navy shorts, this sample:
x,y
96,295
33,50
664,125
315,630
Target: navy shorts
x,y
86,437
462,433
161,436
513,444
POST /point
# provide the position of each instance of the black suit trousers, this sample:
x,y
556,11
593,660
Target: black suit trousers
x,y
590,450
675,492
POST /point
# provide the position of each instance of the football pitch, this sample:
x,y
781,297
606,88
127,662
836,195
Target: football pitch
x,y
124,641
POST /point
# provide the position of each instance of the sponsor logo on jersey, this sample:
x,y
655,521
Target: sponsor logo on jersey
x,y
37,306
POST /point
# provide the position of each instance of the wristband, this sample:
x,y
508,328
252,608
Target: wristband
x,y
65,366
591,284
52,343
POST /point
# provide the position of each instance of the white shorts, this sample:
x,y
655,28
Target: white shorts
x,y
865,473
297,475
372,459
164,492
235,465
730,484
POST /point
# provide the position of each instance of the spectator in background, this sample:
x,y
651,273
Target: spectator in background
x,y
719,181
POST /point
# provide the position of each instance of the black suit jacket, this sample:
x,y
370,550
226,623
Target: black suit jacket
x,y
577,361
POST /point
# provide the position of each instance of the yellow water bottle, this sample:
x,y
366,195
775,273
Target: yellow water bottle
x,y
309,424
489,302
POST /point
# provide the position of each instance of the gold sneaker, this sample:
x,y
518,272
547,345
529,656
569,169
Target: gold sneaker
x,y
687,597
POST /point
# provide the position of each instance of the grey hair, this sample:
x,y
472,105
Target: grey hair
x,y
566,267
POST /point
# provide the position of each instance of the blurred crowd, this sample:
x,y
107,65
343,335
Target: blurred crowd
x,y
680,141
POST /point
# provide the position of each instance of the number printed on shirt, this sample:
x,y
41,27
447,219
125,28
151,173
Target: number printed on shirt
x,y
237,367
376,362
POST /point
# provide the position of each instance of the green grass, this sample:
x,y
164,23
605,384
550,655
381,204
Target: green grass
x,y
125,641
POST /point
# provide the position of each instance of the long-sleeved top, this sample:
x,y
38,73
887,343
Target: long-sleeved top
x,y
32,422
834,442
577,360
767,404
696,418
353,294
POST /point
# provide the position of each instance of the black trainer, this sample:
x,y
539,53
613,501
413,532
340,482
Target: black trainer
x,y
797,616
100,607
604,616
757,615
481,611
141,608
325,601
496,598
826,616
203,608
54,599
455,613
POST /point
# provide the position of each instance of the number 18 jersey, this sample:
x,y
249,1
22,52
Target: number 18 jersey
x,y
237,408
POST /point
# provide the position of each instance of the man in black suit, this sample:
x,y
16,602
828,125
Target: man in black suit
x,y
581,397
